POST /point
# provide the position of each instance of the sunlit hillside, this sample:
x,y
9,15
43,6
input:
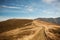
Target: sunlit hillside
x,y
12,24
24,29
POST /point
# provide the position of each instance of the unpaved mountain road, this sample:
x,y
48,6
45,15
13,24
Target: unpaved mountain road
x,y
51,30
30,32
38,30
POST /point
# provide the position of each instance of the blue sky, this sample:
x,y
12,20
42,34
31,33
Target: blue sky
x,y
29,9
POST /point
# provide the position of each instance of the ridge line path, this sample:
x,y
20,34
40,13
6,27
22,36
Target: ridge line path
x,y
38,35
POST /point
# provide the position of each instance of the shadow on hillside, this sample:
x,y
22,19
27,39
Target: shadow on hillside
x,y
13,24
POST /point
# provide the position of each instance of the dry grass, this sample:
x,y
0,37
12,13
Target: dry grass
x,y
23,29
13,24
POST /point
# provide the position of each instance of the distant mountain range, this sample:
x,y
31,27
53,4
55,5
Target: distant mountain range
x,y
52,20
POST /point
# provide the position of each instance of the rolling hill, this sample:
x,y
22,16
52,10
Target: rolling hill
x,y
26,29
12,24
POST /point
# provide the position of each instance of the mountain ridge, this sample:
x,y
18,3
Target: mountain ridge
x,y
52,20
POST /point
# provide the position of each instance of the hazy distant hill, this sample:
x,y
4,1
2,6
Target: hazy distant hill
x,y
52,20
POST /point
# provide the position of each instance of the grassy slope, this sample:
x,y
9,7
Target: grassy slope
x,y
30,30
12,24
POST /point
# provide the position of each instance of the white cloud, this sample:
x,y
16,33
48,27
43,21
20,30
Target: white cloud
x,y
48,12
4,6
53,3
30,9
49,1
